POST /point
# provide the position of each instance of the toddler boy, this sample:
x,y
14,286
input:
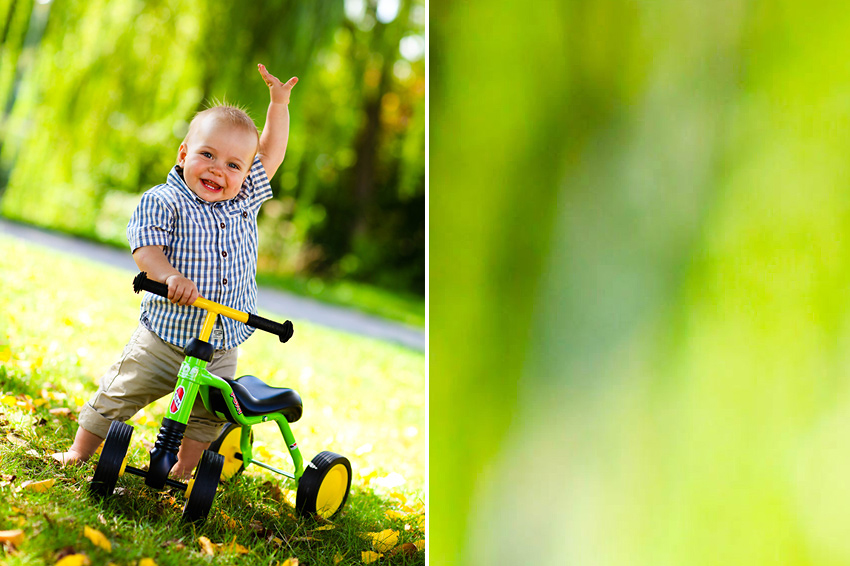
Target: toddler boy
x,y
197,233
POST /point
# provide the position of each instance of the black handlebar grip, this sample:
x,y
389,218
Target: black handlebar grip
x,y
283,331
142,283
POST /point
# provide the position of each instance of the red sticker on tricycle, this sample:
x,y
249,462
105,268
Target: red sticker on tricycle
x,y
177,400
236,403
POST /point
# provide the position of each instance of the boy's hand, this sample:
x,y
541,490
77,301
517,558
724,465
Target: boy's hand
x,y
278,91
181,291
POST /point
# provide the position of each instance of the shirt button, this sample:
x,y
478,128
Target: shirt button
x,y
222,225
224,281
223,254
244,215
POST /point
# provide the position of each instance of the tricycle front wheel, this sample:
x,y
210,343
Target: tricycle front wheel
x,y
324,486
111,464
202,487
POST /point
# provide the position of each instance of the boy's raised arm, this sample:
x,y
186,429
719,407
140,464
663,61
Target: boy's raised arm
x,y
276,131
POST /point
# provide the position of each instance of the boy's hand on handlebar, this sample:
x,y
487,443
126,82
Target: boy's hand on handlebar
x,y
181,291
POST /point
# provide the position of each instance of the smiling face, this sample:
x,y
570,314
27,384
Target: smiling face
x,y
216,157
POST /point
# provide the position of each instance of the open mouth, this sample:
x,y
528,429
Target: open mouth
x,y
211,185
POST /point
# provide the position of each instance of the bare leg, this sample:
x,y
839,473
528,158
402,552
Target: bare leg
x,y
188,457
85,444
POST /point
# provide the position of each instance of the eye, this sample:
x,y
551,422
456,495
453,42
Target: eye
x,y
233,166
206,154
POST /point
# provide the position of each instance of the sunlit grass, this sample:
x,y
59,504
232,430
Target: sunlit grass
x,y
65,320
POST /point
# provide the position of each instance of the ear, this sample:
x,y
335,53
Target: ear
x,y
181,154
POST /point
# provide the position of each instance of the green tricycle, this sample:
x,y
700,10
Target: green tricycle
x,y
322,486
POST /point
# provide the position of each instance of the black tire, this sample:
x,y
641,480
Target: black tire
x,y
203,487
228,445
324,486
110,465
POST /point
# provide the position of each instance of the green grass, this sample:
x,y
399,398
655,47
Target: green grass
x,y
64,321
406,308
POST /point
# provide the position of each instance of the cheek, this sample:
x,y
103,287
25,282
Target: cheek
x,y
235,179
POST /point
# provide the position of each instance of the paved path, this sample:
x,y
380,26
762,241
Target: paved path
x,y
273,300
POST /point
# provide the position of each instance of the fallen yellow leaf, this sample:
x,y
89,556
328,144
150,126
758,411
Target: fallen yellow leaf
x,y
234,547
16,440
229,522
393,514
406,549
384,540
15,537
38,486
97,538
325,528
74,560
337,558
289,562
367,556
206,546
420,544
147,562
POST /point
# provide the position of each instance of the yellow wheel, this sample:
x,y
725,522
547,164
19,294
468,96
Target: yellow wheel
x,y
228,445
324,486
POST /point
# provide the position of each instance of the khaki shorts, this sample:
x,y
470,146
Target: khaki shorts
x,y
147,371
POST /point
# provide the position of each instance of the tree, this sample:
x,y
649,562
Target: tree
x,y
113,84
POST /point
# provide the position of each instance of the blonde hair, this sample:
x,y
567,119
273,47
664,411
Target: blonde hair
x,y
228,114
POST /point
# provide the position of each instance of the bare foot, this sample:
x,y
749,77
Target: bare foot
x,y
71,457
187,458
85,444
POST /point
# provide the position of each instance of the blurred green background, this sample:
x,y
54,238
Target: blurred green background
x,y
96,96
639,282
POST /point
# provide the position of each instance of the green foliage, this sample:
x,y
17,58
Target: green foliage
x,y
639,339
65,321
104,98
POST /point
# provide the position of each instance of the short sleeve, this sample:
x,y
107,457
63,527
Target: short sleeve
x,y
152,223
257,187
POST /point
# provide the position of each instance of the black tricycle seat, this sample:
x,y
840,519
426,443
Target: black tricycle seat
x,y
256,398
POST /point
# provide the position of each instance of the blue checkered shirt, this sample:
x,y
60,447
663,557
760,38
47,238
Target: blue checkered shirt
x,y
212,244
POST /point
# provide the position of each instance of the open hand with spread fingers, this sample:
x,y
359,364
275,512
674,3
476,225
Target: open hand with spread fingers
x,y
278,90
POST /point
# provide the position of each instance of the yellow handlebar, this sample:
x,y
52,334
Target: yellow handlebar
x,y
213,310
283,331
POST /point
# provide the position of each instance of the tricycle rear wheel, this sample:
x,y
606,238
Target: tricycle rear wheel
x,y
228,444
324,486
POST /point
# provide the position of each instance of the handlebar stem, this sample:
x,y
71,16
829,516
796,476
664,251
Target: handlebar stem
x,y
209,323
